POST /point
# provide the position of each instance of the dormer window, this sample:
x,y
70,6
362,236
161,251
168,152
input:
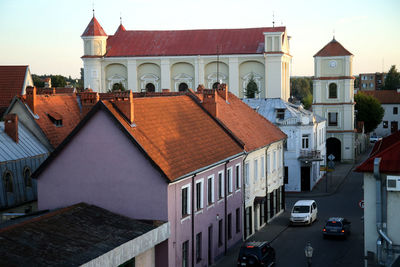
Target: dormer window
x,y
280,113
55,119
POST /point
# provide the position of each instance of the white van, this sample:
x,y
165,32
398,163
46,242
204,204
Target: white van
x,y
304,212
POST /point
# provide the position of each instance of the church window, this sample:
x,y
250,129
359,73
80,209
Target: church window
x,y
7,181
183,87
27,177
150,87
332,119
332,90
215,85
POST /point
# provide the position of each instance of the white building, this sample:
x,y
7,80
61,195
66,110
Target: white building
x,y
390,101
382,202
305,148
176,60
333,99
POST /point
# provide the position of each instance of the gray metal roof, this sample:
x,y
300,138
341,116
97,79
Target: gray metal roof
x,y
27,146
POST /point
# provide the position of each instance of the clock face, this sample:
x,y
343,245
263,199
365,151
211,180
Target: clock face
x,y
332,63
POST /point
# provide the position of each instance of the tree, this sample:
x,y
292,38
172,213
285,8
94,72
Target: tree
x,y
58,81
37,81
118,87
251,88
369,110
392,80
301,89
307,101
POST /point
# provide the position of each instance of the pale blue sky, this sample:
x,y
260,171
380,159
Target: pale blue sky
x,y
45,34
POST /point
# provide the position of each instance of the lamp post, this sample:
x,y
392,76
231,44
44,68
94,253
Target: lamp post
x,y
308,250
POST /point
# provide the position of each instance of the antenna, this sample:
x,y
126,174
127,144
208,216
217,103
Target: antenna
x,y
273,19
120,18
93,7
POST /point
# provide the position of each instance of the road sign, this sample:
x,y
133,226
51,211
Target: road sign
x,y
331,157
361,203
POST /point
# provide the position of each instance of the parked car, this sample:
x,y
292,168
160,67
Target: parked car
x,y
337,226
374,138
304,212
256,253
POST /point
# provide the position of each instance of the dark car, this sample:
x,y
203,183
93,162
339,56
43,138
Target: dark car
x,y
254,254
337,226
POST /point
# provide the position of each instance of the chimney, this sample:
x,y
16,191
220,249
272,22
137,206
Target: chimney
x,y
31,98
88,100
124,102
200,88
223,91
210,101
11,126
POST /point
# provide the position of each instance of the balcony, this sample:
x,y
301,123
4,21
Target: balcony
x,y
310,155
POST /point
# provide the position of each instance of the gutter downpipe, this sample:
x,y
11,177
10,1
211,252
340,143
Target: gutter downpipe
x,y
192,210
381,219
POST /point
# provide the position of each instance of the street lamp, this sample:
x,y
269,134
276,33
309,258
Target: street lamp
x,y
308,250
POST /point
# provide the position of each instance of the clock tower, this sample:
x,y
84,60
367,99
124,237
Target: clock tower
x,y
333,99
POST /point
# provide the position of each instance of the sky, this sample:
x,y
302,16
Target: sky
x,y
45,34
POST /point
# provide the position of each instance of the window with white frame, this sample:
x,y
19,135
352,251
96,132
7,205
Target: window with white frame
x,y
262,167
332,119
255,170
305,139
238,181
230,181
220,185
185,194
268,163
199,194
246,173
210,190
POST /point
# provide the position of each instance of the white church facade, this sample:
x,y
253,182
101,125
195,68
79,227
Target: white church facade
x,y
177,60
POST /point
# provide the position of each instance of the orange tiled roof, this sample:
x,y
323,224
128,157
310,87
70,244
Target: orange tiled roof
x,y
11,82
60,107
384,96
94,29
333,49
177,134
250,127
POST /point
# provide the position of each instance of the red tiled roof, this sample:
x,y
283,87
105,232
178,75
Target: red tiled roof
x,y
384,96
333,49
388,149
94,29
11,83
188,42
121,28
60,107
250,127
177,134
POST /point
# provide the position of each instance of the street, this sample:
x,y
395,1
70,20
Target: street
x,y
289,241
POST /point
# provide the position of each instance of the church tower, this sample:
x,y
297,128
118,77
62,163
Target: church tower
x,y
333,98
95,44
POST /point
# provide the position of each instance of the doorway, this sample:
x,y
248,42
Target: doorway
x,y
334,147
394,126
305,178
210,233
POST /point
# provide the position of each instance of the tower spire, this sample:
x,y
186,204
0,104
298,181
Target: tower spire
x,y
120,18
93,8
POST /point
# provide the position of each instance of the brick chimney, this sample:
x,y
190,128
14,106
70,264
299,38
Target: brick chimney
x,y
223,91
210,101
11,126
124,102
31,98
88,100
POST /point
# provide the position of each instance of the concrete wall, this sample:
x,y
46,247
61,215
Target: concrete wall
x,y
101,166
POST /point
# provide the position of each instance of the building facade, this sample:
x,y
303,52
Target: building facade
x,y
333,99
176,60
371,81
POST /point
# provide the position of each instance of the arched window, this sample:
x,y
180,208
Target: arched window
x,y
215,85
183,87
150,87
7,181
27,177
332,90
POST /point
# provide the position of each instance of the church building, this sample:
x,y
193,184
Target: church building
x,y
333,99
150,61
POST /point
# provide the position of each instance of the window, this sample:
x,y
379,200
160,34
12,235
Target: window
x,y
364,85
185,200
262,213
7,181
27,177
332,119
199,194
262,167
305,141
237,220
220,231
247,173
280,113
150,87
198,246
395,110
220,185
332,90
385,124
371,85
56,121
286,175
274,166
255,170
229,225
210,190
230,185
185,254
238,182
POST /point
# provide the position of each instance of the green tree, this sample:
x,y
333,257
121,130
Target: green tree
x,y
118,87
58,81
369,110
37,81
392,80
307,101
251,88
